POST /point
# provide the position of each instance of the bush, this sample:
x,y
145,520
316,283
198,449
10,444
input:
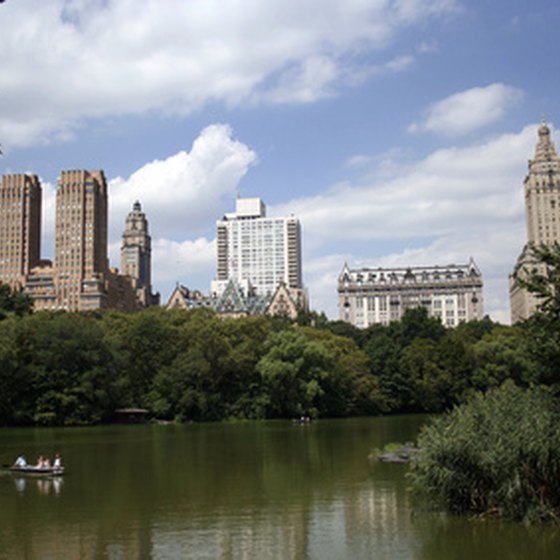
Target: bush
x,y
499,454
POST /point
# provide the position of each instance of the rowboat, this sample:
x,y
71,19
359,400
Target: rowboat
x,y
36,471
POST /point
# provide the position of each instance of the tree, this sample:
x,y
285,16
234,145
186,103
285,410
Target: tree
x,y
350,387
501,355
543,280
11,380
543,328
149,344
70,370
430,380
293,372
13,302
416,323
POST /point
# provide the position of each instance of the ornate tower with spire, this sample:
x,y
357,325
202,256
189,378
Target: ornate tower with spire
x,y
136,255
542,212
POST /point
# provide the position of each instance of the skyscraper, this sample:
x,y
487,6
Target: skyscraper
x,y
136,255
20,227
256,249
81,278
542,213
81,238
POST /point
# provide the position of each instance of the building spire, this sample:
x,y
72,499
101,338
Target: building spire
x,y
545,151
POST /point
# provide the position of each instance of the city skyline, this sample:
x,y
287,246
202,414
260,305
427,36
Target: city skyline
x,y
397,132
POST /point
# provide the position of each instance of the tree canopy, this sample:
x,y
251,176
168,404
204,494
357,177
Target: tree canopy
x,y
66,368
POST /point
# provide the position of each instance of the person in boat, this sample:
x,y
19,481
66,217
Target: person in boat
x,y
57,463
41,463
20,461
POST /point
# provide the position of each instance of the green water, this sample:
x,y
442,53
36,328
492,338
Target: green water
x,y
262,491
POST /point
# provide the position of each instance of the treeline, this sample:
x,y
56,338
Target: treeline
x,y
73,369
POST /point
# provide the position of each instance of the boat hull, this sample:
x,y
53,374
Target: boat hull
x,y
37,471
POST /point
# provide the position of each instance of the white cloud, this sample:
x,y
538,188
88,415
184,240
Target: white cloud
x,y
400,63
464,112
454,204
187,190
306,83
428,198
180,260
64,61
359,160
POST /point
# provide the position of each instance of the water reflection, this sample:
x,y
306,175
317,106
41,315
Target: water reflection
x,y
44,485
233,492
456,538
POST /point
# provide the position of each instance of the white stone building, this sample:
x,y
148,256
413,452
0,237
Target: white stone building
x,y
450,293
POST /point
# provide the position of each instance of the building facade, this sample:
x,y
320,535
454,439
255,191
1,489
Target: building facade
x,y
542,213
80,257
452,293
253,247
238,300
136,255
80,278
20,228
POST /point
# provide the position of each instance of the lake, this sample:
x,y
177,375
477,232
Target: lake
x,y
260,490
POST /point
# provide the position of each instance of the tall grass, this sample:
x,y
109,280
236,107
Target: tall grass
x,y
497,454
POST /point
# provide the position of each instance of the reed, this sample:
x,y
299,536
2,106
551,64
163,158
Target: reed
x,y
497,454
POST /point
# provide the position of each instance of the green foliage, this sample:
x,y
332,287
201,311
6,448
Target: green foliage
x,y
11,380
401,371
544,279
543,328
501,355
13,303
68,369
73,369
499,453
416,323
429,378
291,372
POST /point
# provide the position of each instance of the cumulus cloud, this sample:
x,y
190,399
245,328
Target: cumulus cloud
x,y
426,198
470,110
186,190
67,60
192,262
454,204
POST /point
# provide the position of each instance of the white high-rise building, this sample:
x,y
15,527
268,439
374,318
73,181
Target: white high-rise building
x,y
258,251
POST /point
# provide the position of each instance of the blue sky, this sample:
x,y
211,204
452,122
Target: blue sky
x,y
398,131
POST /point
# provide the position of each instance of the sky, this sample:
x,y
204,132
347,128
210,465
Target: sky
x,y
397,131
